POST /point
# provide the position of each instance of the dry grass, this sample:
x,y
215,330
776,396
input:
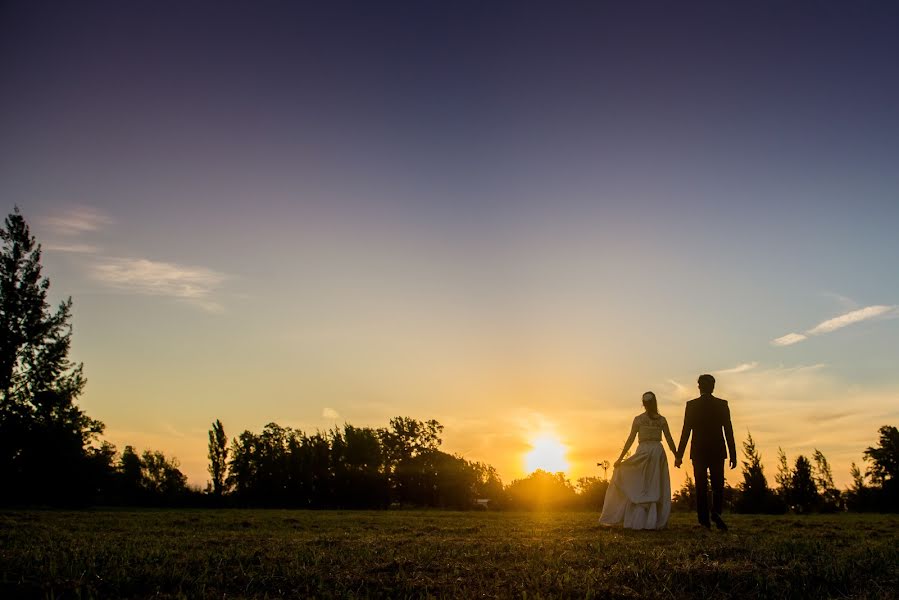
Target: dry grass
x,y
274,553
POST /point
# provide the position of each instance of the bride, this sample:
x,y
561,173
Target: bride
x,y
639,495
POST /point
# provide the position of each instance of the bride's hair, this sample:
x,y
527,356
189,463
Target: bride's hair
x,y
650,404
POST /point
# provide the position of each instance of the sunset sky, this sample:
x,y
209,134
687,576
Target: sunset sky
x,y
514,220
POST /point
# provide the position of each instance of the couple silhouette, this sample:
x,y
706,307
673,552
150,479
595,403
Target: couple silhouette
x,y
639,495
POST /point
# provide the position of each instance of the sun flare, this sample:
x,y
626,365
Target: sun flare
x,y
547,453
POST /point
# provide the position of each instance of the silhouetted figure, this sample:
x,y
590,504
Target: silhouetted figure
x,y
639,495
707,416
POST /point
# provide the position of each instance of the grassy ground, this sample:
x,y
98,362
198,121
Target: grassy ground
x,y
273,553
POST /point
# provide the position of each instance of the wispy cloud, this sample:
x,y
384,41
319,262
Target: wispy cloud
x,y
77,220
195,285
844,320
849,318
740,368
680,389
73,248
330,413
789,339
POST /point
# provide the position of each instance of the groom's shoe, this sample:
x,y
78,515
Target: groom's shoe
x,y
719,522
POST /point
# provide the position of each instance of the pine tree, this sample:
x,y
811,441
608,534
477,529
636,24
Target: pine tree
x,y
755,495
859,495
803,493
783,477
685,497
44,435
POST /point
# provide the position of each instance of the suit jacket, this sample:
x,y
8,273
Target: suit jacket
x,y
706,417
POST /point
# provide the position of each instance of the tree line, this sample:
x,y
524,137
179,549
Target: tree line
x,y
52,453
346,467
807,486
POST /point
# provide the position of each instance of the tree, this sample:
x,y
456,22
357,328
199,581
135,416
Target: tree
x,y
755,496
489,486
755,486
592,492
884,469
161,476
885,456
803,493
406,437
358,462
831,499
131,477
404,440
218,457
542,490
784,475
859,496
685,497
44,435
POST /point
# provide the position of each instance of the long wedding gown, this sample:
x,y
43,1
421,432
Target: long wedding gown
x,y
639,495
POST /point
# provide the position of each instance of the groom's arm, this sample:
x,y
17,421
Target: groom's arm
x,y
729,437
685,433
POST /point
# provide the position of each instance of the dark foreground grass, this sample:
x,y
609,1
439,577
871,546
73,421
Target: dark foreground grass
x,y
273,553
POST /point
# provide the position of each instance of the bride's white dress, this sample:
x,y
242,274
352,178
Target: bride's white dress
x,y
639,495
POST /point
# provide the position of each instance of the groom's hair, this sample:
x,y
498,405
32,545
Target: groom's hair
x,y
706,383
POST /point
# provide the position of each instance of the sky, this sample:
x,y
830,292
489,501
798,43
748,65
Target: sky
x,y
511,217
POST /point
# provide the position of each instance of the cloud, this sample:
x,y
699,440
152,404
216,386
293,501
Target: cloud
x,y
330,413
819,417
789,339
77,220
844,320
142,276
73,248
740,368
849,318
172,430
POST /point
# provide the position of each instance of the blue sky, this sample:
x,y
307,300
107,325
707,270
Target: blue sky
x,y
508,217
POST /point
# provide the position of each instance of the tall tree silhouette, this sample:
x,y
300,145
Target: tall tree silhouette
x,y
784,475
884,470
859,496
803,493
218,457
830,498
406,442
131,477
44,436
885,456
755,496
360,468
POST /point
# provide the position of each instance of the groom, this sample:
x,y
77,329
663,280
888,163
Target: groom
x,y
706,416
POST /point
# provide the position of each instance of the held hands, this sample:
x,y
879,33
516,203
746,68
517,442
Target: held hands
x,y
677,462
733,462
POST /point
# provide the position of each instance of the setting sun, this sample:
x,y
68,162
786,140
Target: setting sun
x,y
547,453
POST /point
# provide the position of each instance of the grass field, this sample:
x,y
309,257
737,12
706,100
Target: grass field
x,y
275,553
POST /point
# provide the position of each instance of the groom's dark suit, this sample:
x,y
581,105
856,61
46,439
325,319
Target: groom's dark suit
x,y
706,417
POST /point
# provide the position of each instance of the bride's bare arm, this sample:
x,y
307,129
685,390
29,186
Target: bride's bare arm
x,y
668,437
630,440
